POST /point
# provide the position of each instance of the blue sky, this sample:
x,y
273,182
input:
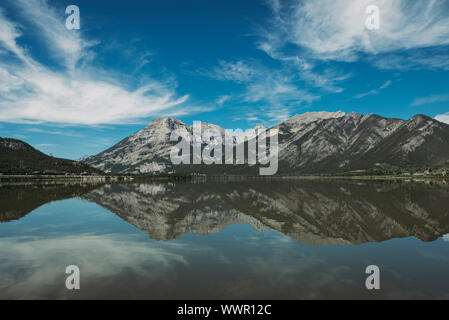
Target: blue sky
x,y
233,63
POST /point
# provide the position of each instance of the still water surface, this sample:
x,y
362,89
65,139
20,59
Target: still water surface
x,y
242,240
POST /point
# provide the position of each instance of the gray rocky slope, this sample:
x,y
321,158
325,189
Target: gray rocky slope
x,y
316,142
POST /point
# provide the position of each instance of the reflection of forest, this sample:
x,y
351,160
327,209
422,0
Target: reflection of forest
x,y
16,201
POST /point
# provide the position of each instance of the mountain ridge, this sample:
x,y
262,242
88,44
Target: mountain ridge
x,y
311,143
18,157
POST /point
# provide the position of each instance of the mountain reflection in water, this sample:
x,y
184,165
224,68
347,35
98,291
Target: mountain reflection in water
x,y
237,240
314,212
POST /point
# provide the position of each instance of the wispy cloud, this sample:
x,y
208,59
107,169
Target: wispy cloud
x,y
55,132
67,45
237,71
275,91
82,94
262,84
329,80
435,59
143,60
374,91
430,99
8,35
223,99
336,29
326,79
42,145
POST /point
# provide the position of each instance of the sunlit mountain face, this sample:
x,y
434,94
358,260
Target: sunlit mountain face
x,y
279,239
312,143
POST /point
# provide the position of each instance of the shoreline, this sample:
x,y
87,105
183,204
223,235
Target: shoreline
x,y
205,178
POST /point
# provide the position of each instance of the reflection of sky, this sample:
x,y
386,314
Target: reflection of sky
x,y
118,260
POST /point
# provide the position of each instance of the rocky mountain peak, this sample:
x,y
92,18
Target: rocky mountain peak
x,y
420,118
260,128
314,142
315,116
166,123
419,121
209,126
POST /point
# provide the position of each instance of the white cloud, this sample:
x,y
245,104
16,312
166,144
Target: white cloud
x,y
436,58
143,60
83,94
275,93
374,91
336,29
69,44
8,35
8,81
51,97
55,132
223,99
443,118
276,89
43,145
327,80
430,99
273,87
276,37
237,71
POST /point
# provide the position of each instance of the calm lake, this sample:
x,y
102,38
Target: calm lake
x,y
225,240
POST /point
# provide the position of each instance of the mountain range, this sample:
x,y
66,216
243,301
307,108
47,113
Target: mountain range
x,y
310,143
